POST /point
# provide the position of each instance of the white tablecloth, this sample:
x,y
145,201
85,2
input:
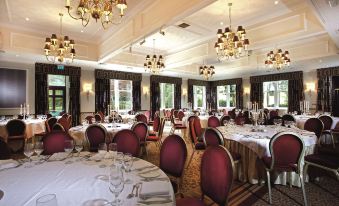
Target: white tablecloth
x,y
300,120
22,186
33,126
252,146
78,132
126,117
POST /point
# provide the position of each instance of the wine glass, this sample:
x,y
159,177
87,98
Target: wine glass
x,y
29,151
47,200
78,146
116,183
102,148
68,146
277,122
38,148
113,149
225,122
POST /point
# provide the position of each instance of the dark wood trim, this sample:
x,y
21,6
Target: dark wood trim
x,y
327,72
110,74
276,77
165,79
42,68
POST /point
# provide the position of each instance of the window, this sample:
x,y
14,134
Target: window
x,y
121,95
276,94
166,96
226,96
199,93
56,94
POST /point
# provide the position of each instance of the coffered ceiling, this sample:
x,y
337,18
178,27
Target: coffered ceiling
x,y
307,28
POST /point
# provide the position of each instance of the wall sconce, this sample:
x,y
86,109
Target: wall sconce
x,y
145,90
87,89
246,91
184,92
310,87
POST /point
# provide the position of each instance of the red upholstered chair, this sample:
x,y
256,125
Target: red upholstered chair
x,y
65,115
213,121
158,135
173,154
141,131
95,135
271,120
156,126
232,114
287,117
181,115
55,142
102,115
175,114
5,152
224,117
127,142
50,122
148,117
98,118
216,176
273,113
48,115
16,130
323,160
141,118
239,120
198,129
287,150
57,127
69,121
64,122
89,119
314,125
196,145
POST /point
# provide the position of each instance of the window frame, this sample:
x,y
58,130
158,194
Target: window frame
x,y
54,96
115,105
203,97
162,103
277,91
228,96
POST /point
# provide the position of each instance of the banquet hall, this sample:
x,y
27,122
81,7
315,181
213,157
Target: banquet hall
x,y
169,102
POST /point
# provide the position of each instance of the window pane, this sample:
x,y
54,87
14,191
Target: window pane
x,y
125,85
166,95
59,104
283,100
199,96
56,80
276,93
125,100
121,94
50,92
59,92
50,104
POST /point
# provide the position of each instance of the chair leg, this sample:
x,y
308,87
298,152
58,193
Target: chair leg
x,y
269,186
305,170
189,162
303,188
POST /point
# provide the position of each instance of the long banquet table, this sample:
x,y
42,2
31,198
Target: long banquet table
x,y
22,186
33,126
254,145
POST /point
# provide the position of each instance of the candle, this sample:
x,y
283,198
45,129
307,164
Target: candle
x,y
68,3
24,109
27,109
21,109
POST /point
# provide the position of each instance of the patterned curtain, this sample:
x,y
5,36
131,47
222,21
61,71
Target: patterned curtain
x,y
177,96
41,93
213,97
74,99
102,95
136,95
155,98
295,94
324,101
239,96
257,93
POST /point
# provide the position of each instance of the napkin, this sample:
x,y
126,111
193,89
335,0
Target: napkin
x,y
154,188
6,164
58,156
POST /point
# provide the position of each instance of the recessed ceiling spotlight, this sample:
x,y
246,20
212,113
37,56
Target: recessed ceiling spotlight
x,y
82,31
276,2
27,19
17,55
221,23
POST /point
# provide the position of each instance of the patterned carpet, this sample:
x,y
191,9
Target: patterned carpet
x,y
324,192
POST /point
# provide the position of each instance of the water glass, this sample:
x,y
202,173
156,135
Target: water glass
x,y
127,162
116,183
225,122
29,151
78,146
47,200
277,122
102,148
38,148
68,146
113,149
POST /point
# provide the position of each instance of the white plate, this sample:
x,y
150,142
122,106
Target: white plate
x,y
150,174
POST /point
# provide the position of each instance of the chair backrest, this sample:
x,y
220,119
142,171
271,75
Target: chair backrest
x,y
141,118
54,142
173,154
98,117
148,115
65,115
197,127
213,121
224,117
287,149
64,122
69,121
231,114
4,150
175,113
271,120
15,127
181,115
327,121
127,142
213,137
314,125
239,120
273,113
287,117
50,122
191,126
156,124
89,119
193,135
102,115
161,127
216,174
168,113
49,115
141,130
57,127
95,135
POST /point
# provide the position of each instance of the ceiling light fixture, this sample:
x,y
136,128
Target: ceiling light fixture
x,y
103,10
206,71
59,48
231,45
162,32
276,2
278,60
27,19
154,64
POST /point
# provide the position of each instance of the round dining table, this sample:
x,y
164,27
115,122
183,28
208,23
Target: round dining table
x,y
33,126
82,181
301,119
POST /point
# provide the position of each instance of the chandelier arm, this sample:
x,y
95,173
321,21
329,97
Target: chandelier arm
x,y
69,13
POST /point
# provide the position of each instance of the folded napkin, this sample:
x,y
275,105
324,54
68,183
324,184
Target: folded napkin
x,y
58,156
6,164
154,188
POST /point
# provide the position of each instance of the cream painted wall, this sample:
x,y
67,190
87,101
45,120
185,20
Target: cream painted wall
x,y
145,93
87,99
311,96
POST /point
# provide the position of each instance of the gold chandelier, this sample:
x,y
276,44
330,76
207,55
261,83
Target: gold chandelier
x,y
277,60
59,48
154,64
98,9
231,45
206,71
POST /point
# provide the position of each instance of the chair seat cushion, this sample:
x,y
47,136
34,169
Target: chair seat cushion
x,y
323,160
286,168
199,146
152,138
236,156
152,133
188,201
